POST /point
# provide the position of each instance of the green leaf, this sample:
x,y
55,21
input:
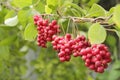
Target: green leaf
x,y
8,41
75,12
4,52
2,31
0,8
96,11
13,21
63,23
97,34
10,14
30,32
2,15
52,2
111,11
30,19
23,14
47,10
118,33
91,2
79,9
6,27
68,11
116,16
111,40
40,7
1,66
62,2
76,1
114,72
103,76
22,3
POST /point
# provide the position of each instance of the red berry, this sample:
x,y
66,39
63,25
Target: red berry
x,y
54,22
92,67
68,36
67,58
98,57
87,64
67,50
87,60
62,59
100,69
84,58
98,63
75,54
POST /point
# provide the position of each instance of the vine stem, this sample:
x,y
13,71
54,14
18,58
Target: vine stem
x,y
68,26
63,29
8,5
102,20
36,3
111,30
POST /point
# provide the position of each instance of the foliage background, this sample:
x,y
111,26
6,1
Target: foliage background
x,y
22,59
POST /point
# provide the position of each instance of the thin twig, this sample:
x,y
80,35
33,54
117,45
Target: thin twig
x,y
109,17
36,3
8,5
63,29
111,30
59,13
109,25
102,20
68,26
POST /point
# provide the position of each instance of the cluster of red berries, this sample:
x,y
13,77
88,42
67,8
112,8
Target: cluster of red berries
x,y
45,30
80,43
63,45
66,46
96,57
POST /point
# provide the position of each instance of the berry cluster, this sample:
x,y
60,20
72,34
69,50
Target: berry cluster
x,y
64,47
67,46
96,57
45,30
80,43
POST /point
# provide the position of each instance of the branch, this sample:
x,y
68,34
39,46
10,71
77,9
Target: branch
x,y
36,3
102,20
8,5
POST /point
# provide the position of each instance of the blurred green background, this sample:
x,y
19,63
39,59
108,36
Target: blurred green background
x,y
24,60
